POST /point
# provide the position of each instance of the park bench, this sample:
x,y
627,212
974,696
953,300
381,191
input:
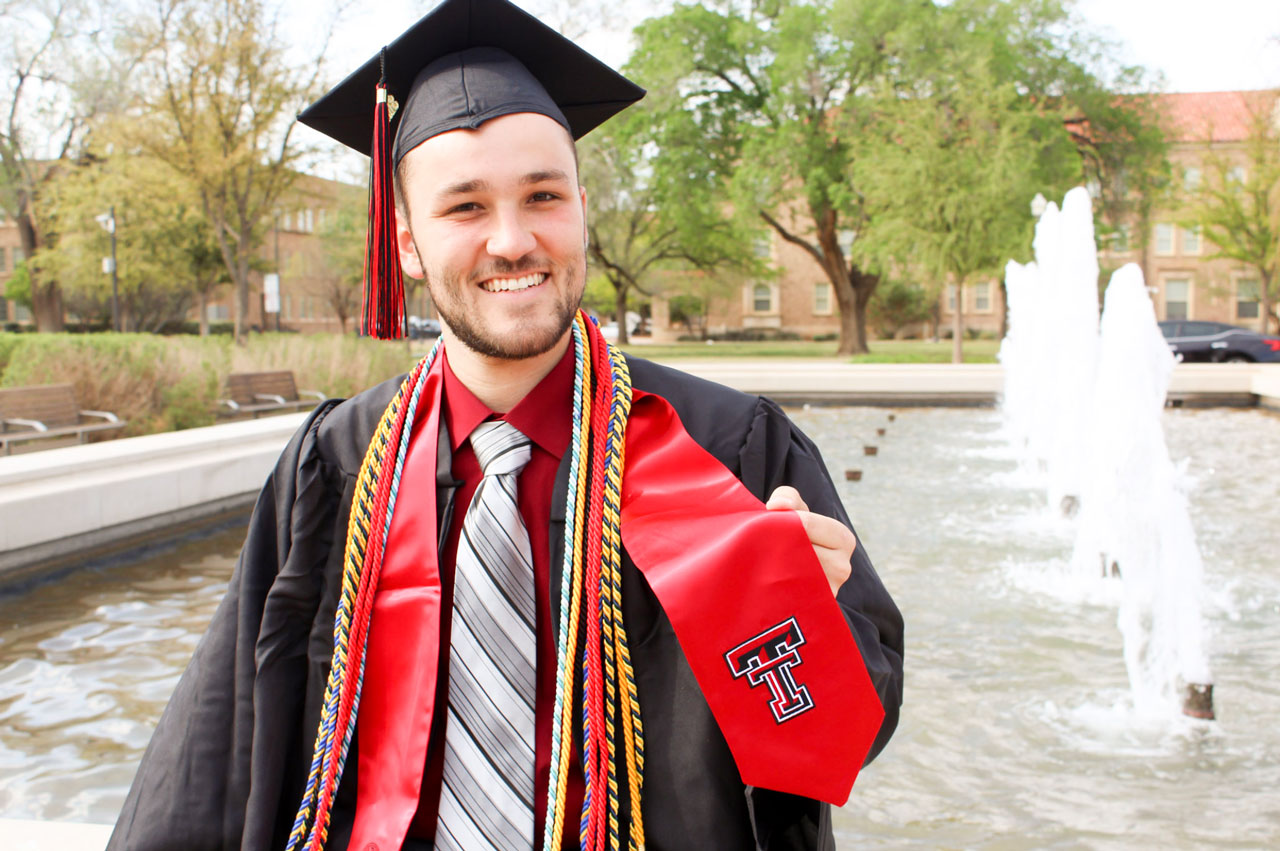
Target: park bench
x,y
265,392
48,411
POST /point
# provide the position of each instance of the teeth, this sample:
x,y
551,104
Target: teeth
x,y
504,285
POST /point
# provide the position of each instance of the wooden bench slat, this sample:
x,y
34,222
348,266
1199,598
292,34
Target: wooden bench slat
x,y
261,392
54,406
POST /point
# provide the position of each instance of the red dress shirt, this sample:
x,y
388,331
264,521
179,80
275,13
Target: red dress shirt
x,y
544,416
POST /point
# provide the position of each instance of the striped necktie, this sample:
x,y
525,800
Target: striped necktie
x,y
486,801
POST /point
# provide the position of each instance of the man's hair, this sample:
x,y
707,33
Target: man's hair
x,y
400,172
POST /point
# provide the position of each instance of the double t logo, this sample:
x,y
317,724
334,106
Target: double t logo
x,y
768,658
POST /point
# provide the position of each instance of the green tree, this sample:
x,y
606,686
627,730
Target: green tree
x,y
777,94
656,207
896,305
1237,204
217,105
802,104
165,250
964,149
65,69
342,238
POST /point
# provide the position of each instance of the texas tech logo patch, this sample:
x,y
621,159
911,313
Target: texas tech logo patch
x,y
768,659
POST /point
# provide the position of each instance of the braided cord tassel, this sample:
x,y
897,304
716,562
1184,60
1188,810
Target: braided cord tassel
x,y
371,507
632,727
596,741
570,596
608,614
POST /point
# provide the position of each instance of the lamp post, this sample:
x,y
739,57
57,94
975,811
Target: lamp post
x,y
277,224
108,221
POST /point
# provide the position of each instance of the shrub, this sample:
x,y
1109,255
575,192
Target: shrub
x,y
168,383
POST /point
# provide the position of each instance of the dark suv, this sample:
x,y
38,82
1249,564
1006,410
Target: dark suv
x,y
1217,342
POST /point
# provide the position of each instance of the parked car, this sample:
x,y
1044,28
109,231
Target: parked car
x,y
1196,341
422,328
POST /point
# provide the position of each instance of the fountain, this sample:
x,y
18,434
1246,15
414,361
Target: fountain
x,y
1051,347
1084,406
1134,519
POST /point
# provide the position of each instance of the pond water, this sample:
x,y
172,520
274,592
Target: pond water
x,y
1017,729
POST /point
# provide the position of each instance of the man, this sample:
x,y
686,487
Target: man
x,y
457,692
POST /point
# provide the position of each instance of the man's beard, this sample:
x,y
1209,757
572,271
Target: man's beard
x,y
530,339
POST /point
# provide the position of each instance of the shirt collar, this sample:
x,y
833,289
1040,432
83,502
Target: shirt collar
x,y
544,415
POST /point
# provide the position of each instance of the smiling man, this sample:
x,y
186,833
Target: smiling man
x,y
536,594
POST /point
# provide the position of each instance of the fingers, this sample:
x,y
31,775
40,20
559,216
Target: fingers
x,y
829,533
833,542
786,497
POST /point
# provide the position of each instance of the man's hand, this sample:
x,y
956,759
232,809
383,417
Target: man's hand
x,y
832,541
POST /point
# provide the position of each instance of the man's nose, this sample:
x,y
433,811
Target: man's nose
x,y
511,237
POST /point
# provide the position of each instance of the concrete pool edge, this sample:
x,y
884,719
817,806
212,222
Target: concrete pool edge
x,y
61,504
57,504
28,835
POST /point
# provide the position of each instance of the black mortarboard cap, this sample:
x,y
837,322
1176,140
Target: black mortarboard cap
x,y
586,90
465,62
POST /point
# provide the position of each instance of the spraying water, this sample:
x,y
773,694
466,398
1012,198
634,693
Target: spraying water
x,y
1084,407
1050,351
1134,520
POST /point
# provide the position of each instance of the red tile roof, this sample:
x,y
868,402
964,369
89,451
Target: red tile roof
x,y
1212,116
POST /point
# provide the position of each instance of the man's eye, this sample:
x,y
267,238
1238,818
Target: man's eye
x,y
468,207
544,196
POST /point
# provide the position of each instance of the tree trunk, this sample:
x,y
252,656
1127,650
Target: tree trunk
x,y
1004,310
46,296
202,300
1265,298
620,305
242,298
957,326
853,287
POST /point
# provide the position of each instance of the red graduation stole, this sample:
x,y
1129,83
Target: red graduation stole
x,y
774,656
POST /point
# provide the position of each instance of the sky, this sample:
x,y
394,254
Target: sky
x,y
1196,45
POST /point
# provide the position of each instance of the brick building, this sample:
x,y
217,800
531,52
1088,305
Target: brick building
x,y
1176,259
292,246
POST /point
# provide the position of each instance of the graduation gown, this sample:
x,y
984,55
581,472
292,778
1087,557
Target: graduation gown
x,y
228,762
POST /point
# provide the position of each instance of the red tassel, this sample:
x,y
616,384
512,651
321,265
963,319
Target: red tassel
x,y
384,310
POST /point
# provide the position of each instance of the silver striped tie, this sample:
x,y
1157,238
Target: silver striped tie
x,y
486,800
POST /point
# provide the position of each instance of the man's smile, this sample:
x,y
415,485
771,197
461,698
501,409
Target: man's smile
x,y
501,285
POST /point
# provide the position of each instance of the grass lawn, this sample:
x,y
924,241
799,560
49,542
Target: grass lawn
x,y
882,351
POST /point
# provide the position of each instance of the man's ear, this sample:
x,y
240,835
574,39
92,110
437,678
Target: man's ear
x,y
410,262
582,192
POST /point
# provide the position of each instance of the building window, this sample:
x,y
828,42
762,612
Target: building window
x,y
1177,292
218,312
4,259
1191,178
951,297
308,218
822,299
1191,240
1235,174
1248,298
982,297
845,240
761,298
21,313
763,248
1164,239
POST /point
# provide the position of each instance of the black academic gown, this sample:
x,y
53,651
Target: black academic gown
x,y
228,761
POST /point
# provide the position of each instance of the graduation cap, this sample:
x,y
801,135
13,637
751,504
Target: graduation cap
x,y
465,62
